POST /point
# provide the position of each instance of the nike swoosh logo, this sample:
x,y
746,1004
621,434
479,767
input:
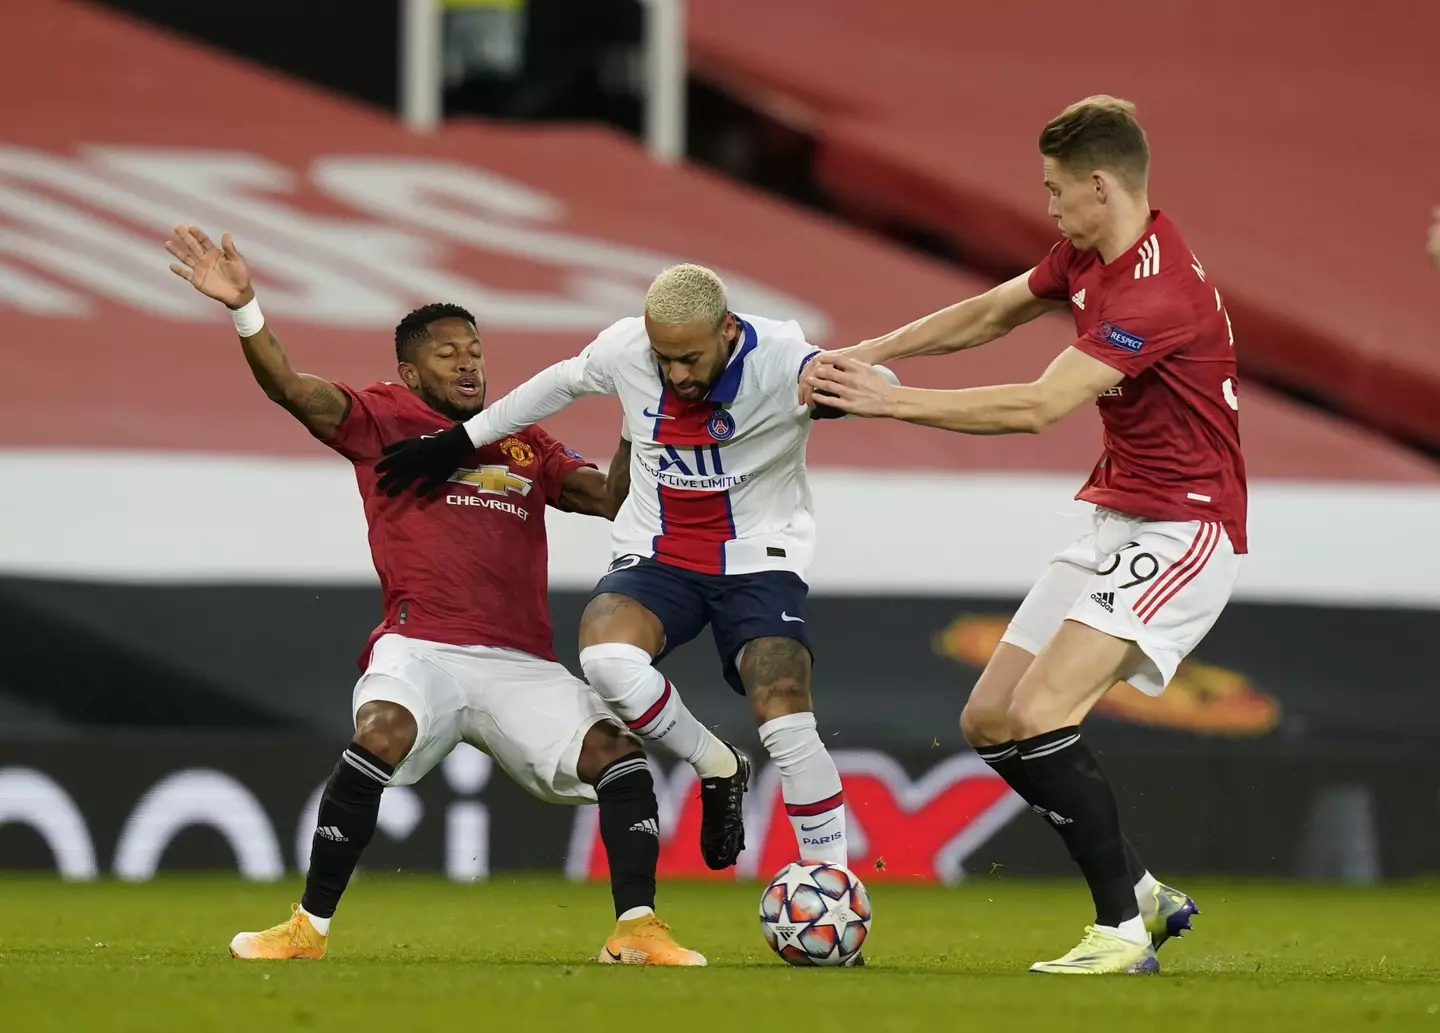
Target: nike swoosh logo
x,y
786,617
613,955
654,415
812,828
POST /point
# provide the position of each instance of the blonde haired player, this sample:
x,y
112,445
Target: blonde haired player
x,y
1139,590
717,530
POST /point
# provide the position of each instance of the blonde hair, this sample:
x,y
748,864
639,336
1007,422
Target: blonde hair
x,y
684,294
1099,132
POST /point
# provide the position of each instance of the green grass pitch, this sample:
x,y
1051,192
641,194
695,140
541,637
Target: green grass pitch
x,y
513,954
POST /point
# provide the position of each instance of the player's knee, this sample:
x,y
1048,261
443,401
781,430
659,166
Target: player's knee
x,y
388,730
984,725
616,670
612,617
604,744
776,676
1031,713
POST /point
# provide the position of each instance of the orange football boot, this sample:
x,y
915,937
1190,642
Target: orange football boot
x,y
646,941
295,938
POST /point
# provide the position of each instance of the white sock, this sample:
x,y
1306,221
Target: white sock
x,y
651,708
810,784
322,925
636,912
1145,889
1132,929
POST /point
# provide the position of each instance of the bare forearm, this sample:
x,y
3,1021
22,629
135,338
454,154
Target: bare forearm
x,y
314,401
1004,409
966,324
617,479
270,365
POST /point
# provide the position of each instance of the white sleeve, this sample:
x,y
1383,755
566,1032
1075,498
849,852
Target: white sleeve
x,y
788,355
784,356
543,395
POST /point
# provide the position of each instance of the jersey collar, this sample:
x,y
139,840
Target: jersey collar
x,y
1159,225
728,386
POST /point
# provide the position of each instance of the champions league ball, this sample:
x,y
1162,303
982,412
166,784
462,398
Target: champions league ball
x,y
815,914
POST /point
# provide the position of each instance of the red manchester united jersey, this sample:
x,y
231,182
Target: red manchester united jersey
x,y
1172,426
468,565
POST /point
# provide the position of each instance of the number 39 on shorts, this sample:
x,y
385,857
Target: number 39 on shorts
x,y
1141,566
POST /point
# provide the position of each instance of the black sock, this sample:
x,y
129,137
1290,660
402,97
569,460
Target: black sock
x,y
1004,759
630,829
344,826
1072,791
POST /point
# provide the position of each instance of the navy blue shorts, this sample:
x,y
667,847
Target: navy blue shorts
x,y
738,607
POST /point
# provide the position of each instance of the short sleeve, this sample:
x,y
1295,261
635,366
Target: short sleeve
x,y
782,358
1051,278
557,461
360,437
1132,337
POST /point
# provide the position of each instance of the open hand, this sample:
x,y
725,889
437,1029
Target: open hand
x,y
216,272
849,385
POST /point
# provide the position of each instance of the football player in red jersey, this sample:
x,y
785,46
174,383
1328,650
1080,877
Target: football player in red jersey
x,y
463,653
1138,591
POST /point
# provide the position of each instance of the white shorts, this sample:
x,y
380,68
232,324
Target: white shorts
x,y
1160,584
529,714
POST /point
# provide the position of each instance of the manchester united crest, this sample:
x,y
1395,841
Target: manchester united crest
x,y
520,453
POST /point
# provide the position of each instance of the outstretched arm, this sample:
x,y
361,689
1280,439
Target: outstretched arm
x,y
966,324
221,273
540,397
1073,379
312,400
427,462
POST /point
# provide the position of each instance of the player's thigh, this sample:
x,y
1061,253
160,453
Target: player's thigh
x,y
402,672
1077,666
985,719
643,603
760,622
1163,589
532,716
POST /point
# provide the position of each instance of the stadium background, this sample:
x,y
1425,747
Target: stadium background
x,y
184,581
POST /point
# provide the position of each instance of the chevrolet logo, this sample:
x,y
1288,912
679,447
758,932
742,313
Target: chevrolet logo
x,y
493,480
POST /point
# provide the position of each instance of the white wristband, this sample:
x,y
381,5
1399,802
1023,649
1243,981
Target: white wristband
x,y
248,318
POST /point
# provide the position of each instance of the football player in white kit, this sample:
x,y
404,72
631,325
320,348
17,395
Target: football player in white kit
x,y
717,530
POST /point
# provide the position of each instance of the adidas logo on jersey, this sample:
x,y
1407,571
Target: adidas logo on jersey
x,y
1105,599
1078,299
332,833
649,825
1149,263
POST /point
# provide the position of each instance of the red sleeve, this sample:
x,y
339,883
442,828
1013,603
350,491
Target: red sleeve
x,y
360,437
1051,278
557,461
1133,334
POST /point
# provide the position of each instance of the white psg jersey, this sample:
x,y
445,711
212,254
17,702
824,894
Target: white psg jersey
x,y
717,485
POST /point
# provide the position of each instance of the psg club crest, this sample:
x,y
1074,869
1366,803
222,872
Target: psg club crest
x,y
721,425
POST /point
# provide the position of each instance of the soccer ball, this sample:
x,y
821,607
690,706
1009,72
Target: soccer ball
x,y
815,914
